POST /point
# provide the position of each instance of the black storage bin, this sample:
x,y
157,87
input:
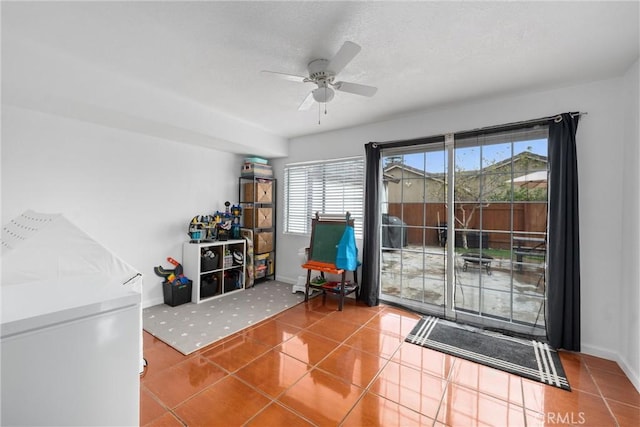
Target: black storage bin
x,y
177,294
478,240
209,263
475,240
209,286
232,280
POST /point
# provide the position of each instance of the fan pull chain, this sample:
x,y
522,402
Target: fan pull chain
x,y
325,97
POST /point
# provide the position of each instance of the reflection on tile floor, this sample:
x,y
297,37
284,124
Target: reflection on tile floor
x,y
314,366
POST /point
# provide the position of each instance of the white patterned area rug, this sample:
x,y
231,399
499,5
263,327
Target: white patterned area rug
x,y
189,327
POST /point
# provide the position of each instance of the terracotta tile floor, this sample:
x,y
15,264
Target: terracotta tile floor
x,y
313,365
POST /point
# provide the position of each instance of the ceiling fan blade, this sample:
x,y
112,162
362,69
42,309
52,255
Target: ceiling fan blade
x,y
285,76
347,52
306,104
356,88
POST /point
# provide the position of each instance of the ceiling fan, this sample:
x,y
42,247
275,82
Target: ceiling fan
x,y
322,72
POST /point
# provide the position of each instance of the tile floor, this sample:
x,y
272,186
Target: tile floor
x,y
313,365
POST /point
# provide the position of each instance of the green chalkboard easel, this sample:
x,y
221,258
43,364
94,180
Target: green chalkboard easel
x,y
325,236
326,233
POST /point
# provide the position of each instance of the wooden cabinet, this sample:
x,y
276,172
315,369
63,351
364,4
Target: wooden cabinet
x,y
257,196
216,268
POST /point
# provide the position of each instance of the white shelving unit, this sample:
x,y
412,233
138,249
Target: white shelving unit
x,y
212,281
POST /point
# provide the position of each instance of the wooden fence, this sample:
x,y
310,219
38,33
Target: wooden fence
x,y
425,221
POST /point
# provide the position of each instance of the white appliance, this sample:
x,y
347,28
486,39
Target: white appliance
x,y
71,327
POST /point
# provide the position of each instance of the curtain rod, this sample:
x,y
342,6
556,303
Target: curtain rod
x,y
474,132
516,125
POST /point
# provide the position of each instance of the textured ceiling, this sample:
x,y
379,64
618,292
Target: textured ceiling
x,y
420,55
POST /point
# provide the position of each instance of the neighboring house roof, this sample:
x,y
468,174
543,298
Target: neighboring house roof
x,y
397,165
525,155
390,178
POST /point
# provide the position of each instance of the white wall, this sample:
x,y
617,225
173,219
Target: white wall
x,y
601,148
133,193
128,163
630,243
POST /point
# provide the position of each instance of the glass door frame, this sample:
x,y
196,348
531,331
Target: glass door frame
x,y
449,309
450,277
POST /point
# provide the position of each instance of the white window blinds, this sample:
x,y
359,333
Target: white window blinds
x,y
330,187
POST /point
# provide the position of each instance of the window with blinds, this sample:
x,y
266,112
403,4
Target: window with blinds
x,y
330,187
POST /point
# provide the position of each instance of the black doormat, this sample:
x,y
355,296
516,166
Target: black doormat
x,y
529,359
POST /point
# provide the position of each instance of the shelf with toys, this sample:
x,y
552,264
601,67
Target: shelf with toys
x,y
214,258
216,268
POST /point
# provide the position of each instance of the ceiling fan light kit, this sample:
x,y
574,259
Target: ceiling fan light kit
x,y
323,94
322,73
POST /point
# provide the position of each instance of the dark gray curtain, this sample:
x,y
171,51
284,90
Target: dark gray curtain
x,y
563,293
370,287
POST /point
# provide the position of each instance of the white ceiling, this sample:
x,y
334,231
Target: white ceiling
x,y
420,55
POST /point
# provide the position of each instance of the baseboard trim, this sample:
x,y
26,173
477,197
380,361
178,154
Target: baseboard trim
x,y
152,302
287,280
633,376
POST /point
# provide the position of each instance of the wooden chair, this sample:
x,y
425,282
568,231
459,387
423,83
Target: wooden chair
x,y
326,232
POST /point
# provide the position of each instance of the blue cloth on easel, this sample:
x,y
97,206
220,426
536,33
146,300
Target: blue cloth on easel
x,y
347,255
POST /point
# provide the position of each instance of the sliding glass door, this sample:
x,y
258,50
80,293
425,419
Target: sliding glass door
x,y
464,229
414,228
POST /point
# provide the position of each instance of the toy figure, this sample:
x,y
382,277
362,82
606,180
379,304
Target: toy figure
x,y
174,276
